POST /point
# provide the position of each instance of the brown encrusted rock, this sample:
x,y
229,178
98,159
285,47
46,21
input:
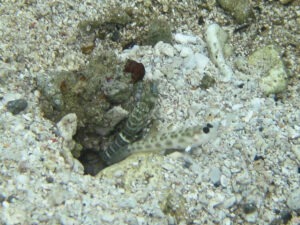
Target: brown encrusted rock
x,y
136,69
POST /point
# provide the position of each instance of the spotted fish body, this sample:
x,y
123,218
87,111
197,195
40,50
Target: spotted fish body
x,y
126,141
179,140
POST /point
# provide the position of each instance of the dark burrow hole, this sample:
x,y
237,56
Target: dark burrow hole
x,y
92,162
102,94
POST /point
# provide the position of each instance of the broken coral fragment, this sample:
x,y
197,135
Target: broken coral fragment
x,y
216,38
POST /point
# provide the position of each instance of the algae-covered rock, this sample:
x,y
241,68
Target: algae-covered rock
x,y
159,30
265,58
66,128
240,9
275,81
89,93
79,92
284,2
17,106
174,206
102,97
268,63
103,27
207,82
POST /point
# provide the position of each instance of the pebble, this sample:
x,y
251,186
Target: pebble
x,y
285,1
16,106
58,196
185,52
249,208
128,203
252,217
293,200
202,62
184,38
243,178
224,181
165,49
13,214
227,221
106,217
229,202
131,220
2,198
215,175
67,126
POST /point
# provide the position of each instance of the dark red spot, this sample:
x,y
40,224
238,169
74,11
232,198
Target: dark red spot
x,y
32,25
63,86
82,78
54,140
108,79
136,69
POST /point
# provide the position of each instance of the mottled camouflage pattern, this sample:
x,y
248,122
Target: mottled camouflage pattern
x,y
138,120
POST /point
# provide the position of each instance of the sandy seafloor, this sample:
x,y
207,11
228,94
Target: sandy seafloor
x,y
248,174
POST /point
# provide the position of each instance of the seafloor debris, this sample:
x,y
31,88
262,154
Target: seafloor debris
x,y
136,69
16,106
